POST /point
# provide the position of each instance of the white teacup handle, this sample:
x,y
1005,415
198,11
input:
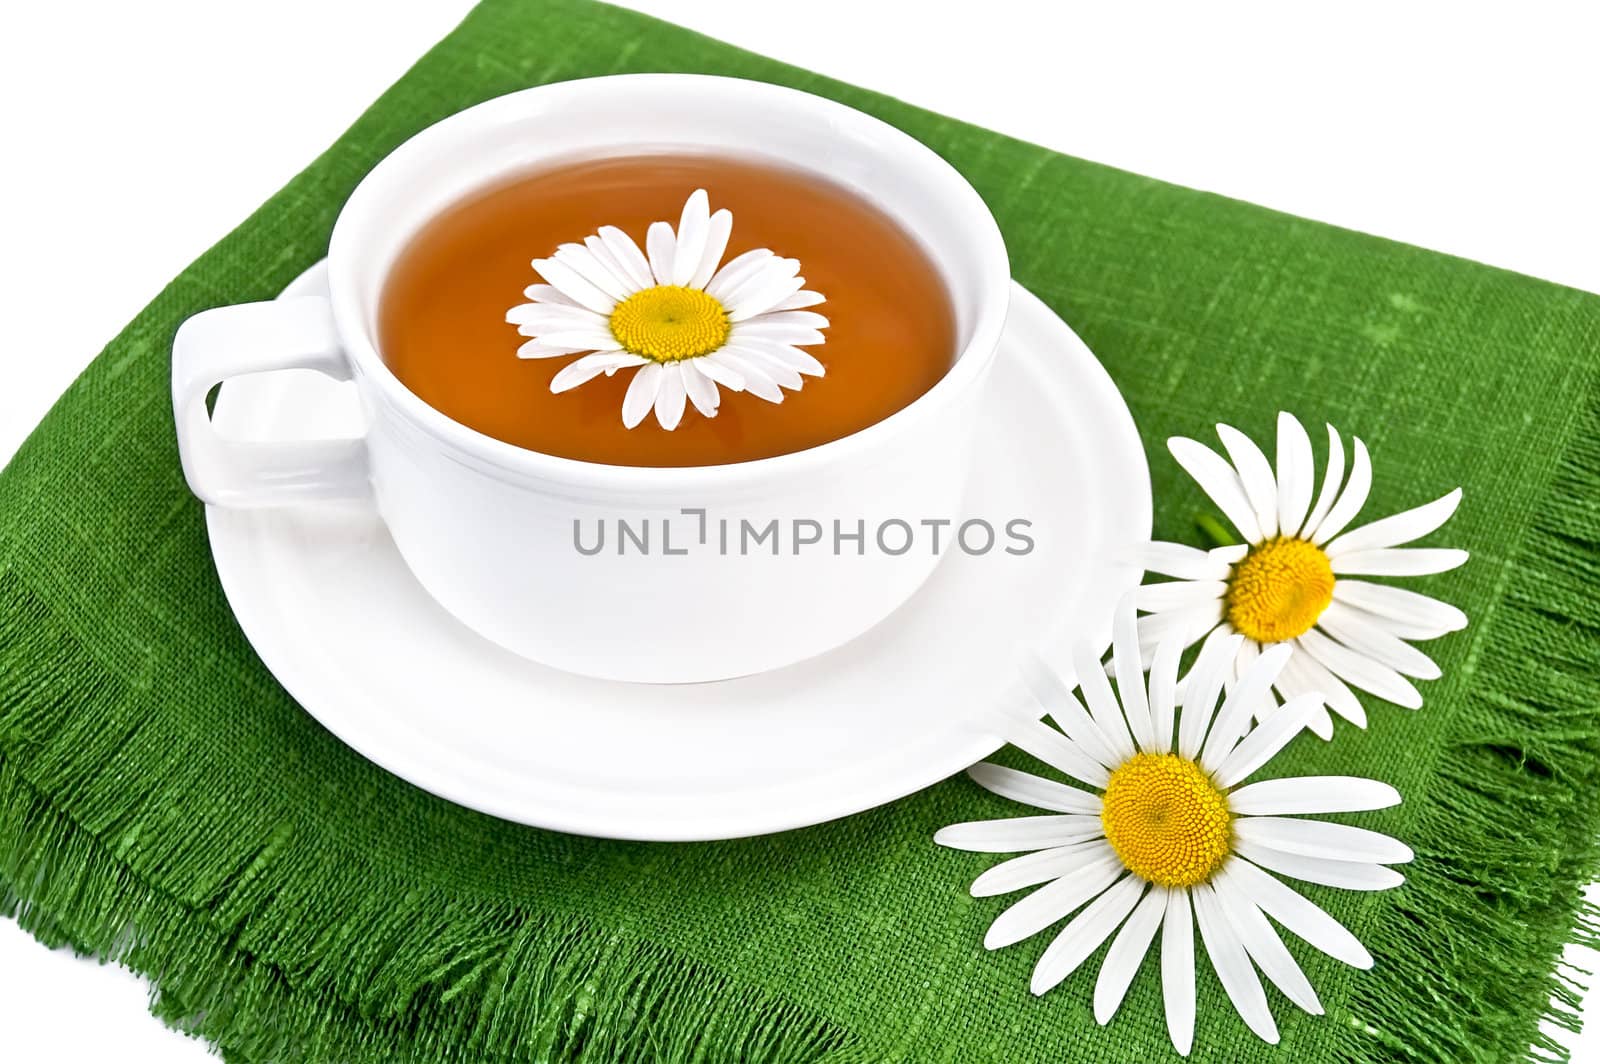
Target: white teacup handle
x,y
215,345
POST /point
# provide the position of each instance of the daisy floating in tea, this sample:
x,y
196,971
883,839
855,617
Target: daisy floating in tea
x,y
1295,581
683,320
1159,832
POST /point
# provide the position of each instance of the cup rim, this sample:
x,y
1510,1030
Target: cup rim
x,y
507,459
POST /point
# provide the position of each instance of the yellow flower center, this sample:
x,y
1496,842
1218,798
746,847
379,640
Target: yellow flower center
x,y
669,323
1279,589
1166,820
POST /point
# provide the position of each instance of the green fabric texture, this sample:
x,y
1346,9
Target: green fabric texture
x,y
164,804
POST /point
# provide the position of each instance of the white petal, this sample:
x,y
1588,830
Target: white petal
x,y
773,275
1179,594
1296,473
694,227
804,318
1232,965
1085,933
589,367
1399,561
1266,739
1127,953
1321,838
1102,703
772,368
1359,670
1292,684
539,349
721,227
778,333
1288,691
584,339
1249,652
1164,692
1129,667
641,397
1265,705
1351,499
776,354
1297,795
1052,902
1300,916
603,255
1181,561
1397,628
701,389
662,247
1321,724
1398,528
548,293
1041,866
670,396
1389,626
736,271
627,255
1057,698
1219,481
752,377
591,269
760,302
1018,834
1234,716
1345,875
1311,674
1397,603
547,317
1177,970
1204,684
1289,688
1268,705
801,300
1264,946
1187,626
573,285
1331,479
1353,628
578,338
1033,790
720,372
1255,473
766,271
780,369
792,357
1056,750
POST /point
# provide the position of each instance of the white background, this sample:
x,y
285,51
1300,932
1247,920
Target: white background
x,y
140,133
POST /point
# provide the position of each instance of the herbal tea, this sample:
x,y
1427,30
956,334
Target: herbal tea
x,y
683,314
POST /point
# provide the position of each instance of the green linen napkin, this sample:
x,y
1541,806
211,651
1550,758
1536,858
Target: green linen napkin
x,y
163,803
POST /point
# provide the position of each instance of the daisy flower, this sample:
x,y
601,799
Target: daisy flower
x,y
1162,833
676,314
1295,582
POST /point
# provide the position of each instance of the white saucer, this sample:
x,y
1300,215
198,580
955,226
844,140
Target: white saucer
x,y
325,599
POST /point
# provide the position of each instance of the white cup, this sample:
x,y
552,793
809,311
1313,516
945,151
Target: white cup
x,y
493,530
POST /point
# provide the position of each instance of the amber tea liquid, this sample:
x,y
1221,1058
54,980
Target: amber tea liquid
x,y
442,327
